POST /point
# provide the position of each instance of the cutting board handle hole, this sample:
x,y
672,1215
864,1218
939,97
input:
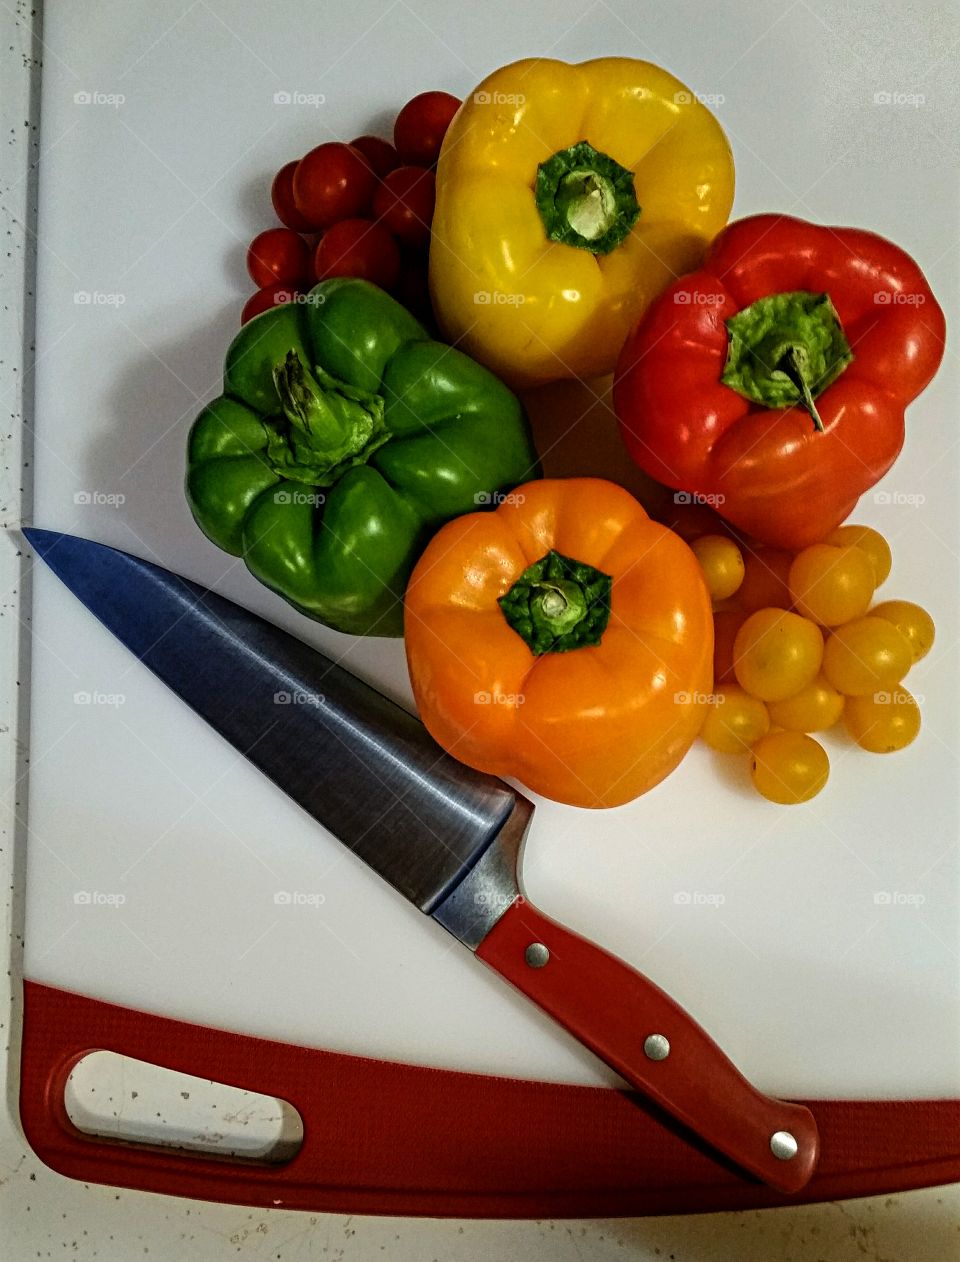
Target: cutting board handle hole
x,y
119,1098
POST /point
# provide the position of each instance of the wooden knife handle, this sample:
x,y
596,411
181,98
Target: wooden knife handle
x,y
652,1043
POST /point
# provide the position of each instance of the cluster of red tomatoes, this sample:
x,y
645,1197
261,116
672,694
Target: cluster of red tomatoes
x,y
358,209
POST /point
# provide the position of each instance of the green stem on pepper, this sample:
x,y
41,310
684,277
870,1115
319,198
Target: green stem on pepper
x,y
558,604
326,427
586,199
789,365
786,349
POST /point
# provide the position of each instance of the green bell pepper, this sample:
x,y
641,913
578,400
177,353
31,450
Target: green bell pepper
x,y
344,438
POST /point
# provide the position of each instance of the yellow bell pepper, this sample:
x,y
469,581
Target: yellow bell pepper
x,y
568,198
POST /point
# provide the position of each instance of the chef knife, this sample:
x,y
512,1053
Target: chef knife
x,y
443,835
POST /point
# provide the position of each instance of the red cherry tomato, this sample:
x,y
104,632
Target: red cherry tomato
x,y
421,126
404,202
380,154
281,194
278,256
332,182
264,299
358,247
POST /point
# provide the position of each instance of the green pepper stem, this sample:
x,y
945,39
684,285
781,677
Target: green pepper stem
x,y
326,427
306,406
558,604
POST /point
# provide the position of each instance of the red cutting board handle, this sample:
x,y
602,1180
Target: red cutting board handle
x,y
386,1138
652,1043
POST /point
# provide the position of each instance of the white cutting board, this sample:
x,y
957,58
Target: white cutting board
x,y
772,925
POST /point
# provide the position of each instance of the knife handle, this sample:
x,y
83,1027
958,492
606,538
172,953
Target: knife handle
x,y
653,1043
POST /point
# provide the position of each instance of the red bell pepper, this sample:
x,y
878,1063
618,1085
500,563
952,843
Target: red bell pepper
x,y
773,381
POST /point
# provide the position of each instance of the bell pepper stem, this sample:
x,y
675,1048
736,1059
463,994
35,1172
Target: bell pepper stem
x,y
326,427
790,366
586,198
785,349
558,604
305,405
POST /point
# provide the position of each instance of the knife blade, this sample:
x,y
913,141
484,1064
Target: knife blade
x,y
444,836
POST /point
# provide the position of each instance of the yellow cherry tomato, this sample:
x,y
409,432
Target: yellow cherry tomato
x,y
913,623
721,562
831,585
865,656
735,721
813,709
776,653
884,721
789,767
869,541
765,579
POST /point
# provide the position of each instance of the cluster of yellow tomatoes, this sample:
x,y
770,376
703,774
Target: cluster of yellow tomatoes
x,y
798,648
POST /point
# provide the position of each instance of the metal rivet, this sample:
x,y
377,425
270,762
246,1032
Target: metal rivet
x,y
656,1047
783,1145
536,955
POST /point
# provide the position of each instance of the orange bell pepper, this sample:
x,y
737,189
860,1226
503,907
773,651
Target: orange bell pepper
x,y
564,639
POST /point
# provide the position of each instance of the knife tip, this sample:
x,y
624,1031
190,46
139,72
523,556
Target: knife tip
x,y
41,541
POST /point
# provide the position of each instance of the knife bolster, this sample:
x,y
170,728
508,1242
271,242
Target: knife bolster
x,y
491,885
